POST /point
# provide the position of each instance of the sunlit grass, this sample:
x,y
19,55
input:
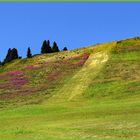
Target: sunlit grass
x,y
95,101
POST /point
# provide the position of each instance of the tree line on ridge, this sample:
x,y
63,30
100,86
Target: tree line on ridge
x,y
45,48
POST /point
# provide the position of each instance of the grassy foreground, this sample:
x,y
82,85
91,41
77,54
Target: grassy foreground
x,y
90,93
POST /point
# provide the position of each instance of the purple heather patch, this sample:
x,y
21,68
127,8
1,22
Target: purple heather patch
x,y
54,75
82,59
81,62
19,81
85,56
31,67
13,79
15,73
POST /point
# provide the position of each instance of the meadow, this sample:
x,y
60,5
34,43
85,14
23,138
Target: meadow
x,y
90,93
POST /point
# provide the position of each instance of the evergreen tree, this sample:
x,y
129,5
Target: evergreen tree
x,y
65,49
48,47
55,47
8,56
11,55
43,48
14,54
29,54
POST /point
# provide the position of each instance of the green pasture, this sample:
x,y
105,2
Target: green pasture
x,y
97,101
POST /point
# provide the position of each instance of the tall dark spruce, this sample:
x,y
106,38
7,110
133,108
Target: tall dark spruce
x,y
49,49
46,48
11,55
8,56
55,47
29,54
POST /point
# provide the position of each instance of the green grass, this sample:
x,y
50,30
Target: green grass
x,y
96,101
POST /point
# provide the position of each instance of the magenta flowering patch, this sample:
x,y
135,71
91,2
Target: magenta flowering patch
x,y
82,59
15,73
82,56
19,81
81,62
31,67
85,56
13,79
55,75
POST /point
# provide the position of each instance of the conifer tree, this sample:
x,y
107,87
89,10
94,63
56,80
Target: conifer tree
x,y
11,55
48,47
55,47
14,54
65,49
29,54
8,56
43,48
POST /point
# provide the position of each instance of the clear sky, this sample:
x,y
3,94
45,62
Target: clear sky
x,y
70,24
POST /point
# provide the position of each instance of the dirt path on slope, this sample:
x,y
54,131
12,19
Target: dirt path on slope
x,y
87,73
81,80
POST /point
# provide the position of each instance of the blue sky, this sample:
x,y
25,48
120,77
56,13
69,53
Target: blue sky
x,y
70,24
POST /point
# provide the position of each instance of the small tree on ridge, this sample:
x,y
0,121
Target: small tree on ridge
x,y
29,54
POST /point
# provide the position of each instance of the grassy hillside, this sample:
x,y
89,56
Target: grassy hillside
x,y
85,94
